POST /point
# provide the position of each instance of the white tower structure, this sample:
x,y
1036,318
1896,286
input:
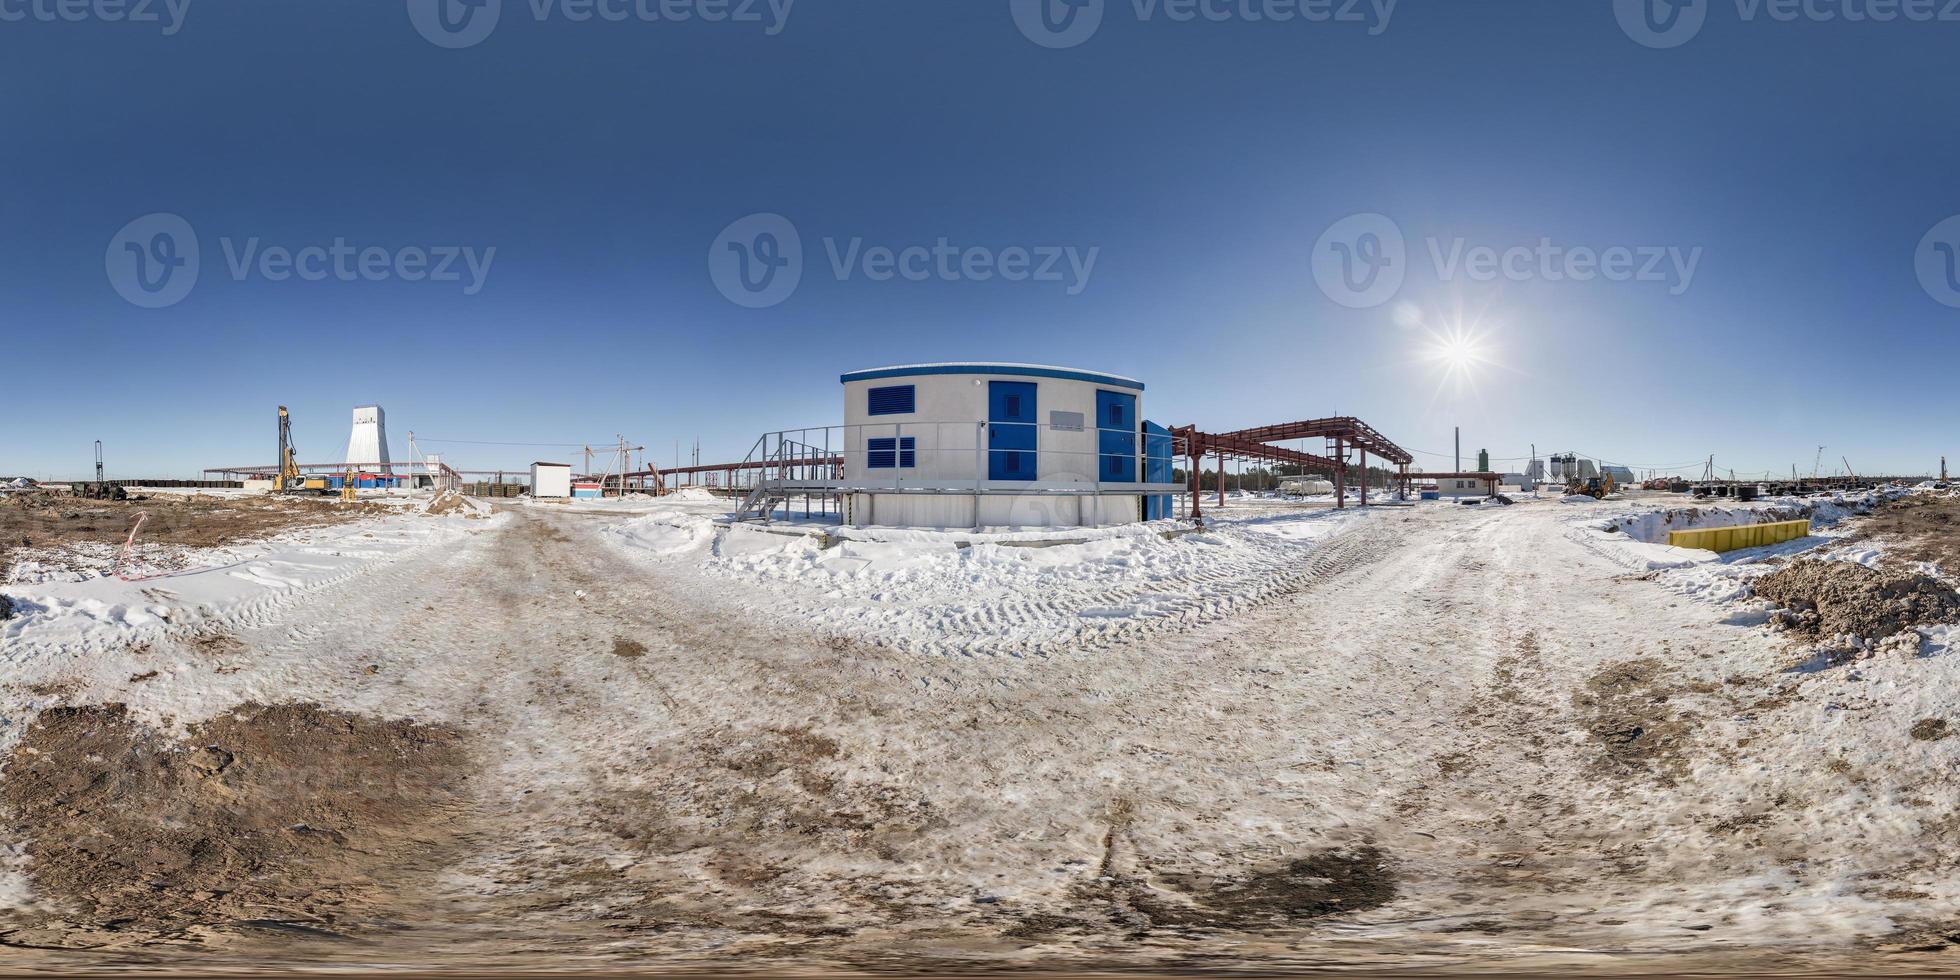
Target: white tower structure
x,y
369,443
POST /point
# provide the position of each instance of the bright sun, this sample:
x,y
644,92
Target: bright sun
x,y
1459,352
1457,349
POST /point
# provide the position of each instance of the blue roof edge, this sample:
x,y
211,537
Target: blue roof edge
x,y
1009,370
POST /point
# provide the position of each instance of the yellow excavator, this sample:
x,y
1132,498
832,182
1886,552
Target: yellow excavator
x,y
1596,487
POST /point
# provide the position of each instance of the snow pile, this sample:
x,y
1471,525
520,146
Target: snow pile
x,y
1653,526
1009,592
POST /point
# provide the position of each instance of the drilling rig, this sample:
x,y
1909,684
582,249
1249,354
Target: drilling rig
x,y
100,489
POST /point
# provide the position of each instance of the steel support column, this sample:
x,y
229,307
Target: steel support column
x,y
1340,474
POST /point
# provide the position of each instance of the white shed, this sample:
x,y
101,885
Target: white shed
x,y
551,479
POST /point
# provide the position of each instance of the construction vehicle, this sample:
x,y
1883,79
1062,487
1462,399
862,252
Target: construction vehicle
x,y
100,489
288,479
1596,487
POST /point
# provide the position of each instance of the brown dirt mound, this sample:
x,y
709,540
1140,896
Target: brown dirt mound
x,y
450,502
1834,598
286,817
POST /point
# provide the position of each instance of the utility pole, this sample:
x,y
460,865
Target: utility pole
x,y
1459,449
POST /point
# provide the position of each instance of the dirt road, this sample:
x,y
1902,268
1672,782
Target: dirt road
x,y
1438,748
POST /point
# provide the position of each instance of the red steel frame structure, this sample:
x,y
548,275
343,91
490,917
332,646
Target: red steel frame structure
x,y
1342,433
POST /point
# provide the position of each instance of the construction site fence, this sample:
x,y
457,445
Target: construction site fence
x,y
1719,539
174,484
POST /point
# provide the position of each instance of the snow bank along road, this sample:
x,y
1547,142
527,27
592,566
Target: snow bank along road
x,y
1438,736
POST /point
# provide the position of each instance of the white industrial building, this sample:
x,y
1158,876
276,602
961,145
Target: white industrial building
x,y
995,445
367,446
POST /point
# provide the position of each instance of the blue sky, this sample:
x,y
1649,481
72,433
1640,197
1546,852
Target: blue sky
x,y
1802,163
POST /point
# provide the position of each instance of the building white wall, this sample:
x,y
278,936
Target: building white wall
x,y
1461,487
551,480
956,510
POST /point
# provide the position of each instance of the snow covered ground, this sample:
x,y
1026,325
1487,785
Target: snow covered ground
x,y
1418,737
1007,592
89,621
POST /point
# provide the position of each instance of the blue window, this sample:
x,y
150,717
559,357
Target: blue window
x,y
896,400
884,454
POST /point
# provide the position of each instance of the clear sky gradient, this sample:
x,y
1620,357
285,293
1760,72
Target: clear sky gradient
x,y
1202,160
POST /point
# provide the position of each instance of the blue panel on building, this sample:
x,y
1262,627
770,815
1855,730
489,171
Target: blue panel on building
x,y
895,400
1011,433
883,454
1157,468
1116,437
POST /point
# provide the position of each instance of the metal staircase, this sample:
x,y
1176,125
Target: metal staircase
x,y
786,468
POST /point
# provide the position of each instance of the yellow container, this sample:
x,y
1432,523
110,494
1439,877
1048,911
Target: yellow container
x,y
1720,539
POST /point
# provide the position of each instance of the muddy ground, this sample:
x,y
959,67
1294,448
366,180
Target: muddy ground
x,y
1919,527
48,520
287,819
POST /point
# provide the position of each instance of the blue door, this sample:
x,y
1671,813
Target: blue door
x,y
1116,437
1156,469
1011,432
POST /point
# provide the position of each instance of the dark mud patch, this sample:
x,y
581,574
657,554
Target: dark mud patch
x,y
1837,598
217,645
1631,711
288,814
1326,883
630,649
1930,729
